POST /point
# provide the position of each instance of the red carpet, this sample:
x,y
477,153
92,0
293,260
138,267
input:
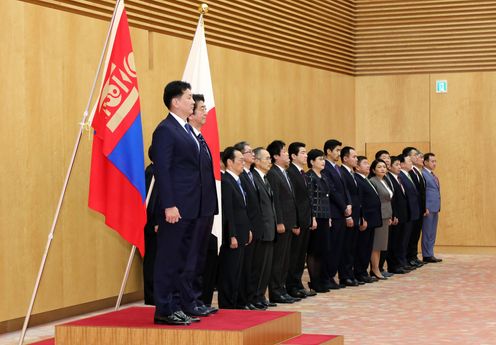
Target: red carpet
x,y
50,341
142,317
309,339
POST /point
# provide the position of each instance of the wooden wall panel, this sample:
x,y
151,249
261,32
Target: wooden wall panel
x,y
397,36
51,58
313,33
463,128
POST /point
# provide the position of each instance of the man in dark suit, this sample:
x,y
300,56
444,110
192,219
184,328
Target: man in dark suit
x,y
414,211
370,219
299,243
188,199
401,217
265,228
417,159
287,221
236,230
349,162
249,278
340,208
206,270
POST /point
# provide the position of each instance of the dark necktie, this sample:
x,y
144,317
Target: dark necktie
x,y
238,181
302,172
336,167
203,144
267,186
401,185
250,175
190,131
435,178
287,180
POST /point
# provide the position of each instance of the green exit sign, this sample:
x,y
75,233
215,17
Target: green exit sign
x,y
441,86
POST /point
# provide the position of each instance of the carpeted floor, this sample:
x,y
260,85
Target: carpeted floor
x,y
453,302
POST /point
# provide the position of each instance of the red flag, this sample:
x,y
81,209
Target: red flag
x,y
197,73
117,179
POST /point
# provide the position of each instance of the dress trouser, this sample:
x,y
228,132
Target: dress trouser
x,y
365,242
210,272
338,229
262,266
297,257
414,239
280,264
231,267
348,254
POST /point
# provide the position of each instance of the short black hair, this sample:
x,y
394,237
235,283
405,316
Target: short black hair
x,y
174,89
197,97
331,144
373,165
275,149
312,155
241,146
294,148
428,155
402,157
345,151
407,150
227,154
361,158
394,159
379,153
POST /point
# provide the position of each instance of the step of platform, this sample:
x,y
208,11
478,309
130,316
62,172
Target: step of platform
x,y
135,326
314,339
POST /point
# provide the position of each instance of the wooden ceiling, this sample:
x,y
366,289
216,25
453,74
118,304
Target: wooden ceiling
x,y
355,37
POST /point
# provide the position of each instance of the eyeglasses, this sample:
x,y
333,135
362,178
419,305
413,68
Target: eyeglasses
x,y
250,152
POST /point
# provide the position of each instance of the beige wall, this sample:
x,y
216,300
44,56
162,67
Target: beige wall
x,y
49,59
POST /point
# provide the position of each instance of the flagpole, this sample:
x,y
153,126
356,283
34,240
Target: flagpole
x,y
131,255
64,187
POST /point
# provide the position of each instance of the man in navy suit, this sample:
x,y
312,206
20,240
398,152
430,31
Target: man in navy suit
x,y
433,206
188,200
340,208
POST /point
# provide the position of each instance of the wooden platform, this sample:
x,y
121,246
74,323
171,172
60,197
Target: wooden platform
x,y
135,326
315,339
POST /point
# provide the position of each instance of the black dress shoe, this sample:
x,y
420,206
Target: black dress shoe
x,y
431,259
186,317
308,293
398,270
387,274
172,319
419,262
334,286
242,307
349,282
372,274
210,310
437,259
409,268
196,311
366,279
267,303
282,299
260,306
295,299
359,282
297,294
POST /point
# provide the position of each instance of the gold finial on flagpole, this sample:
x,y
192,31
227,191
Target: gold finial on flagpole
x,y
203,8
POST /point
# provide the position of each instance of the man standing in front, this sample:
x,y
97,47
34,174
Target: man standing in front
x,y
433,206
188,200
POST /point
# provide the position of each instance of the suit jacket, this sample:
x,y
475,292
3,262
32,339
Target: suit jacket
x,y
267,224
284,201
339,194
183,177
399,202
354,194
412,196
419,182
318,190
371,204
303,209
235,221
252,203
384,196
432,192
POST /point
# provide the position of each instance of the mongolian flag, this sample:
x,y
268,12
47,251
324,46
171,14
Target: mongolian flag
x,y
197,73
117,179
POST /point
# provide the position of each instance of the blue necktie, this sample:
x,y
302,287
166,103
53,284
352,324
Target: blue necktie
x,y
238,181
337,169
190,131
203,144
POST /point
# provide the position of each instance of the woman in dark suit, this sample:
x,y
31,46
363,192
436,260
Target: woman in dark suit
x,y
378,170
319,245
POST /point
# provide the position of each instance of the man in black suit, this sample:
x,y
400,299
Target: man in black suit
x,y
236,230
287,221
349,162
370,219
265,228
414,211
249,278
206,270
299,243
188,199
417,159
340,208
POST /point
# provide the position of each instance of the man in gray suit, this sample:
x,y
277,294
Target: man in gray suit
x,y
433,206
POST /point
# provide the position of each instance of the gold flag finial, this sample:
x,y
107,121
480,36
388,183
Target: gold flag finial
x,y
203,8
